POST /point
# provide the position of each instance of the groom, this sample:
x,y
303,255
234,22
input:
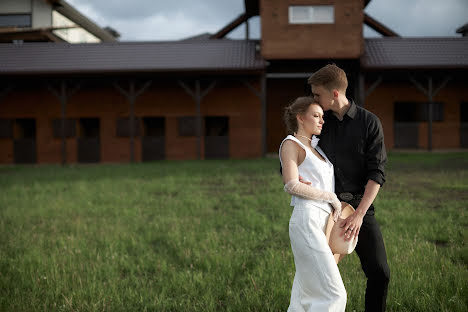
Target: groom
x,y
352,138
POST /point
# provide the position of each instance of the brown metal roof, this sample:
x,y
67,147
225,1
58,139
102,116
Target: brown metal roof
x,y
130,57
415,53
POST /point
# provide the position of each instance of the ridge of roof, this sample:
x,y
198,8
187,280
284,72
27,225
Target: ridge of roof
x,y
123,43
455,38
130,57
415,53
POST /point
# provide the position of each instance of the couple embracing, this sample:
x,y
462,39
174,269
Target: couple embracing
x,y
345,165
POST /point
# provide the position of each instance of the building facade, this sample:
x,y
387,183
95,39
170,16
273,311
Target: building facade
x,y
210,97
48,20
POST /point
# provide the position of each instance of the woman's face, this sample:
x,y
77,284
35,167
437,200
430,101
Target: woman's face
x,y
312,120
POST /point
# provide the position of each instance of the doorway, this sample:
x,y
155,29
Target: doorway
x,y
217,137
154,139
24,142
89,145
464,124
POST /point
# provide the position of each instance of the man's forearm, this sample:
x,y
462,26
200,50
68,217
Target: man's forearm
x,y
370,193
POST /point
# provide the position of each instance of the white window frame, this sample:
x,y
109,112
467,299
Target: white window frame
x,y
312,17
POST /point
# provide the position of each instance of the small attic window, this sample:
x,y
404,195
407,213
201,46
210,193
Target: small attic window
x,y
311,14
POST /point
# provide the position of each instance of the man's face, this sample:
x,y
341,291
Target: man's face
x,y
322,96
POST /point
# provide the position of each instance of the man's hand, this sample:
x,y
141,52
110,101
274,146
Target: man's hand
x,y
352,225
301,179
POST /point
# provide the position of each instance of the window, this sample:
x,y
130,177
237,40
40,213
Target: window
x,y
24,144
187,126
316,14
418,112
6,128
15,20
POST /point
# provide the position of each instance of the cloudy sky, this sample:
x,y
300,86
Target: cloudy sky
x,y
144,20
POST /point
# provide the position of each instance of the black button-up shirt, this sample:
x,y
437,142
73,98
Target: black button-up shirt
x,y
355,146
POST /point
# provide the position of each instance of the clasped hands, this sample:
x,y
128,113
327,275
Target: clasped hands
x,y
351,225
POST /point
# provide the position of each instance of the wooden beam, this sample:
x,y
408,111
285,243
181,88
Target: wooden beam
x,y
210,87
262,96
63,94
430,93
247,32
132,99
198,118
254,91
230,27
187,89
132,94
63,100
373,86
379,27
264,114
198,96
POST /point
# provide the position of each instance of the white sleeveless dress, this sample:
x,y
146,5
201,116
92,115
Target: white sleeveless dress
x,y
317,283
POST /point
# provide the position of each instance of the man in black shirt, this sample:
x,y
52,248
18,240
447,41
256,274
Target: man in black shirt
x,y
352,138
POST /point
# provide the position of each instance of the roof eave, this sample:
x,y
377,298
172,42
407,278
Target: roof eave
x,y
201,71
413,67
74,15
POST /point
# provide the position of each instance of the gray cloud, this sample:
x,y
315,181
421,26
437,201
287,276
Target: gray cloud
x,y
412,18
160,20
173,20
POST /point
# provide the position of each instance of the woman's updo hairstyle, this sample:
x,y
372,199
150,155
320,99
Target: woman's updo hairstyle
x,y
298,107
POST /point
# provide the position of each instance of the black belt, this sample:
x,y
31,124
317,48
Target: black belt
x,y
346,196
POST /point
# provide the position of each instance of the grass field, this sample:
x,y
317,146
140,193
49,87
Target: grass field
x,y
213,236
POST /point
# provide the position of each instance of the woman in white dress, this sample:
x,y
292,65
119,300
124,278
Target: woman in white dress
x,y
317,283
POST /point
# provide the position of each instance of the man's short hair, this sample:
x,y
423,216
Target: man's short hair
x,y
330,76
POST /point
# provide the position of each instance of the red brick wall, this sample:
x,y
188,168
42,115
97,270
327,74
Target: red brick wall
x,y
446,134
169,100
281,93
281,40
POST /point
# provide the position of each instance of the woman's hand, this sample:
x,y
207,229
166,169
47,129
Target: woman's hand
x,y
352,225
302,180
336,204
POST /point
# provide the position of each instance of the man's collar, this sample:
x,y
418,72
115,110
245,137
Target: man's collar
x,y
352,111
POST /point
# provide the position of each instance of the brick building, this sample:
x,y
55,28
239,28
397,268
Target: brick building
x,y
211,97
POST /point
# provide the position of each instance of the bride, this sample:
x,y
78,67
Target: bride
x,y
317,283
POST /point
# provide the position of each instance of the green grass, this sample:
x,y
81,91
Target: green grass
x,y
213,236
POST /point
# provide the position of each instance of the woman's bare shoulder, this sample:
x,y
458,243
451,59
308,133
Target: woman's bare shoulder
x,y
290,146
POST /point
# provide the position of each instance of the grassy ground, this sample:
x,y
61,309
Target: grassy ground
x,y
213,236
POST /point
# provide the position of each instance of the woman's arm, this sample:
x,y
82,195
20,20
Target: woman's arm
x,y
289,158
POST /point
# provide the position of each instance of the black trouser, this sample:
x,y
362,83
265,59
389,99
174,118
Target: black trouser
x,y
371,251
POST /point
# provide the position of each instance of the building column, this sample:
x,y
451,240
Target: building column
x,y
63,94
262,96
430,93
131,94
198,96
